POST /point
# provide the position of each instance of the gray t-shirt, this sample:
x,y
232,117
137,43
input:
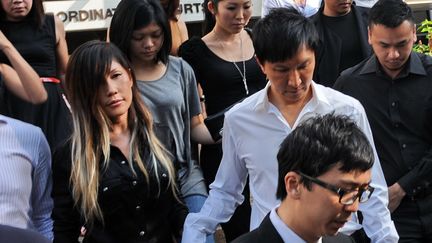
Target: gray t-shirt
x,y
173,101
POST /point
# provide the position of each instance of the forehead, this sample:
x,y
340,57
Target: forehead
x,y
405,30
352,178
150,28
234,1
302,55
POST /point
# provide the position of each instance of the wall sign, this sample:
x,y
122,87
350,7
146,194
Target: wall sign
x,y
96,14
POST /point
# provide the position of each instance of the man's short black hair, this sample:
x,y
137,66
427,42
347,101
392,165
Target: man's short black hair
x,y
279,35
320,143
390,13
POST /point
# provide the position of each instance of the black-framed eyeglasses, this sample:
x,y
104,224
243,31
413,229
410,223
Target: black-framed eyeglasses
x,y
346,197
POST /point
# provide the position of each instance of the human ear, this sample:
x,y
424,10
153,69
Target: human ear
x,y
292,185
369,36
211,7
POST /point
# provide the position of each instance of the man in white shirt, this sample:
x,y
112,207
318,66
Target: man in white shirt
x,y
324,173
284,43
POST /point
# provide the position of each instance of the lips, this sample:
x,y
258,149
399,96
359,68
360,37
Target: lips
x,y
150,53
18,10
115,102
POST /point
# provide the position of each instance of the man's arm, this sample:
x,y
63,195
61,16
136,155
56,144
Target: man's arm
x,y
225,192
42,203
377,222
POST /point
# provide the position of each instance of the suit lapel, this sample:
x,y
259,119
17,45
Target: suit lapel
x,y
267,231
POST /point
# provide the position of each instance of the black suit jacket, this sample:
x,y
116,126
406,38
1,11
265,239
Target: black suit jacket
x,y
266,233
15,235
330,46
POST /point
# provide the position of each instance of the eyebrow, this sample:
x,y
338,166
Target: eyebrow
x,y
388,44
354,184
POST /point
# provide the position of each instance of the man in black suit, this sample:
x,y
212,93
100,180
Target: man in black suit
x,y
342,29
9,234
324,173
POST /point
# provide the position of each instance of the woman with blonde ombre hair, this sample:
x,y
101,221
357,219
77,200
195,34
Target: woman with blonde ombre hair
x,y
113,176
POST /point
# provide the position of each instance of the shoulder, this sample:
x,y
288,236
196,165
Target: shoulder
x,y
245,107
265,232
361,10
250,237
22,129
352,73
191,48
178,62
339,102
17,235
426,61
316,17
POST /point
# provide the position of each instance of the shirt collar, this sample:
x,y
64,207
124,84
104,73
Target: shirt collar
x,y
318,97
287,234
415,65
3,119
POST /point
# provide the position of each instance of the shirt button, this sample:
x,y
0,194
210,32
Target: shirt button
x,y
393,104
142,233
403,146
134,183
138,207
105,189
164,175
123,162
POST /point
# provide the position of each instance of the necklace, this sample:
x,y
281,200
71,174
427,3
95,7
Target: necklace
x,y
242,74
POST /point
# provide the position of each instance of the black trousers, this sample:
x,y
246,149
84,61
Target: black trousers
x,y
413,220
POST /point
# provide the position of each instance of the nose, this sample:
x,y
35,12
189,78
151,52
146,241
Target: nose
x,y
240,14
294,79
393,53
110,88
147,42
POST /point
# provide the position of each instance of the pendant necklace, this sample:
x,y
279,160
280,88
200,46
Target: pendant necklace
x,y
242,74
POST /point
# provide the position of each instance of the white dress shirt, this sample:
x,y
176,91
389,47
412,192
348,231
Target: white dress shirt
x,y
252,134
284,231
309,9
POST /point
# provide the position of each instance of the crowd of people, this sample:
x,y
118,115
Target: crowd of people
x,y
313,126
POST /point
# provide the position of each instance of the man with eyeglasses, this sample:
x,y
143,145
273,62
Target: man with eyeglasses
x,y
324,173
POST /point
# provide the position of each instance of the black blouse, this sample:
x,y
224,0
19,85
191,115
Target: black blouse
x,y
133,210
220,80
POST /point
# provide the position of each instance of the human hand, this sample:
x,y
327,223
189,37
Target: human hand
x,y
396,194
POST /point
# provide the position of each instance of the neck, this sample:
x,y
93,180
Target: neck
x,y
148,71
119,125
289,213
225,36
120,137
392,73
290,110
329,13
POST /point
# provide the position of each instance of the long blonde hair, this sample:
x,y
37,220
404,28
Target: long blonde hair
x,y
87,70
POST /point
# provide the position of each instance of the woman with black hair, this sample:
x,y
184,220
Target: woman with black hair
x,y
40,39
167,85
